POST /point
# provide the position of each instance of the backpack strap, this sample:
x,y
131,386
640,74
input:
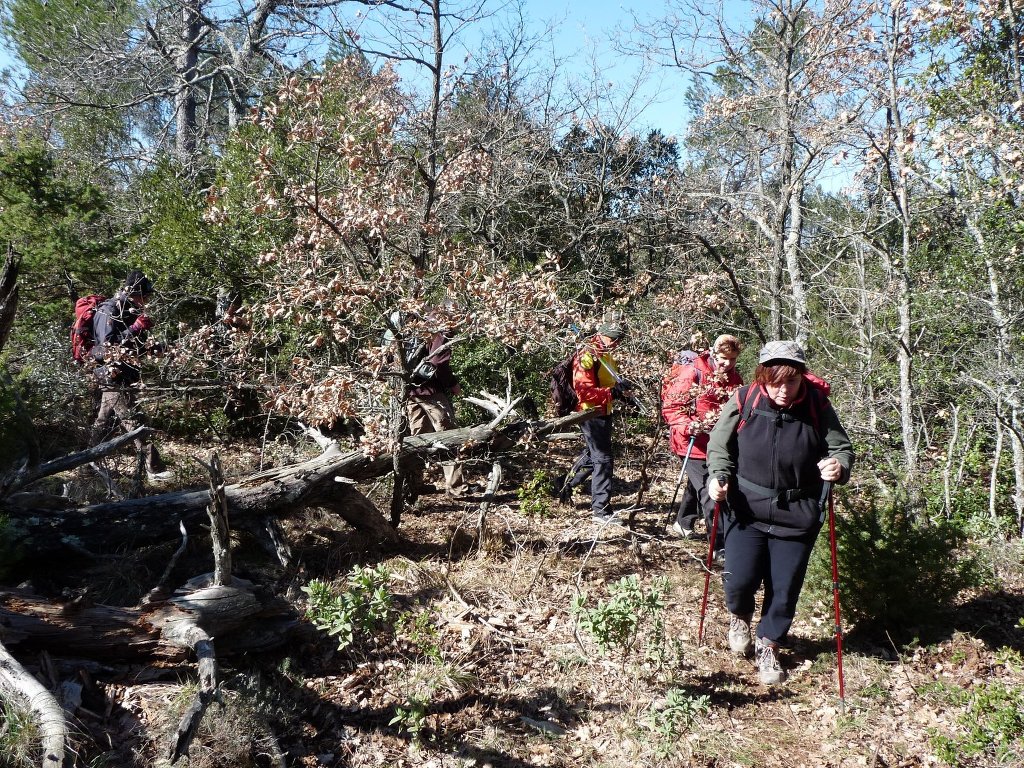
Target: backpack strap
x,y
747,402
817,405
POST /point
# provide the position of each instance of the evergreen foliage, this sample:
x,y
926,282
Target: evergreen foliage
x,y
898,570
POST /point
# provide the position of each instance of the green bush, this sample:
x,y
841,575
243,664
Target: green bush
x,y
481,364
897,570
992,726
364,607
670,718
535,495
616,623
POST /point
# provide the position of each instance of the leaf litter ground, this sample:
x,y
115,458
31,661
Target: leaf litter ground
x,y
489,668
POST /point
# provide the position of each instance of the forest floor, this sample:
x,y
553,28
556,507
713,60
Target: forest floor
x,y
483,663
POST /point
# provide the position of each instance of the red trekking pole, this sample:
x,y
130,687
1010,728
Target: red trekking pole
x,y
827,491
722,480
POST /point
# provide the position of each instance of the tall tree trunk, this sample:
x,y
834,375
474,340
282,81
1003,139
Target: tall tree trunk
x,y
187,67
1018,468
997,455
797,287
900,192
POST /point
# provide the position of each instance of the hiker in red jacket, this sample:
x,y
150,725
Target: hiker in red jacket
x,y
120,328
691,399
597,382
777,443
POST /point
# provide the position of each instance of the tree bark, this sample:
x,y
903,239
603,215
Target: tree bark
x,y
108,527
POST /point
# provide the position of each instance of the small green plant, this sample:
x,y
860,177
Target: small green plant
x,y
672,716
419,631
364,607
616,623
412,718
534,495
19,736
1010,658
992,726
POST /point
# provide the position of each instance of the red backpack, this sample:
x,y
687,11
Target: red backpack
x,y
82,338
817,392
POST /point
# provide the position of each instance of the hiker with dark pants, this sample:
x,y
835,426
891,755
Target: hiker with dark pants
x,y
596,380
692,397
120,331
777,444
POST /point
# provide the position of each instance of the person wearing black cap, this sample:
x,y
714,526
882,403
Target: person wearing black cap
x,y
120,329
596,379
776,444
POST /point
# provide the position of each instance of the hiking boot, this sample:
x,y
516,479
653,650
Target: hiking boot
x,y
767,658
466,490
604,516
740,643
563,490
680,532
157,477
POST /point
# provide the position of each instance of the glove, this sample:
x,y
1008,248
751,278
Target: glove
x,y
143,323
617,393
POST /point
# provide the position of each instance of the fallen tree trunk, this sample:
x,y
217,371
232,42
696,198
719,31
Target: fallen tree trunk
x,y
18,684
151,634
109,527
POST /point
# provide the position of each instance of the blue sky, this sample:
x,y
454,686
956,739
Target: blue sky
x,y
586,26
583,35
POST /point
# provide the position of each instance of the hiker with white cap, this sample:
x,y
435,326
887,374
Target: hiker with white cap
x,y
774,453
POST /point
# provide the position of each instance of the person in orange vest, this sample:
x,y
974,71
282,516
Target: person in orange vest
x,y
597,383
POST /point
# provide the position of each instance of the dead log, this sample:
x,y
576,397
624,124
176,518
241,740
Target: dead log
x,y
25,476
17,683
158,633
112,526
243,619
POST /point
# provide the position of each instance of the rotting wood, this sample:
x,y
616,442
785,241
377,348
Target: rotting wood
x,y
18,683
220,531
25,476
111,526
242,618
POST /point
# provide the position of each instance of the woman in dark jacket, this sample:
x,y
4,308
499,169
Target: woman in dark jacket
x,y
776,445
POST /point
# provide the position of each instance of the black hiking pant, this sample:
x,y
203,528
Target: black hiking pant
x,y
596,461
697,500
754,557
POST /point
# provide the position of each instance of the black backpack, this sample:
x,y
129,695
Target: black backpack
x,y
563,394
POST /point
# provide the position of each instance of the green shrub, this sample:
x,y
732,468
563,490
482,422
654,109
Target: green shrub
x,y
364,607
535,495
674,715
616,623
412,718
992,726
481,364
896,570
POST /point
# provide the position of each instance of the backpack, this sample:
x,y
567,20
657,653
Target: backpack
x,y
563,394
83,339
416,357
817,391
683,361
